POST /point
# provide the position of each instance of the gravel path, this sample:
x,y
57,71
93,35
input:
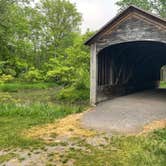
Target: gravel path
x,y
128,114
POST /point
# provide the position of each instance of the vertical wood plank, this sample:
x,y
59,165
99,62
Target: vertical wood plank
x,y
93,75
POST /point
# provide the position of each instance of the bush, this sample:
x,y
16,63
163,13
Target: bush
x,y
33,75
7,98
6,78
71,94
81,80
62,75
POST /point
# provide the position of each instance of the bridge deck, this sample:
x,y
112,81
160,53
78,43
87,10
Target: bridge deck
x,y
128,114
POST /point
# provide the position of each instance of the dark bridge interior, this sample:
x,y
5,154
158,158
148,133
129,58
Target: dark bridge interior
x,y
132,66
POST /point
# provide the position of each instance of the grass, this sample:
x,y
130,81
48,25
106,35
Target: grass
x,y
163,84
7,157
14,119
147,150
14,87
31,105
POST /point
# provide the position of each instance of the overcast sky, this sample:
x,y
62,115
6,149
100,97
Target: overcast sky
x,y
95,12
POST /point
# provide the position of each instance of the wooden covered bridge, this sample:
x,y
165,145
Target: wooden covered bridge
x,y
127,54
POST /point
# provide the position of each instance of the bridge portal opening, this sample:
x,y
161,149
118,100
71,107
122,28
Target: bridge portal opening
x,y
129,67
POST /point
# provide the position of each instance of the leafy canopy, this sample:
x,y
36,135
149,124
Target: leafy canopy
x,y
156,6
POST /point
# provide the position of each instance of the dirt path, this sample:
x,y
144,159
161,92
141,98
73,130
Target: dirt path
x,y
128,114
59,139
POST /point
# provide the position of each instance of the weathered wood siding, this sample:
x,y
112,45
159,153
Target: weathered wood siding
x,y
132,28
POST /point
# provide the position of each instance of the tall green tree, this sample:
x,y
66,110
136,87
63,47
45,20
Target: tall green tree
x,y
156,6
61,21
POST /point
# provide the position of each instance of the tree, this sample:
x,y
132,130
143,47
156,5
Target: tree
x,y
61,20
13,32
74,69
156,6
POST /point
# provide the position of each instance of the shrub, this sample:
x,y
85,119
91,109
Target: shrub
x,y
7,98
81,80
6,78
71,94
60,75
33,75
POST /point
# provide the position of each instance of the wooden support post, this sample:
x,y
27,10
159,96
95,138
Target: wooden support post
x,y
93,75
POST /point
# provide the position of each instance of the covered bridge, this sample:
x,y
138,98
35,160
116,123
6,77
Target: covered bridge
x,y
127,54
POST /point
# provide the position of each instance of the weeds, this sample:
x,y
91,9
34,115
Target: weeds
x,y
14,87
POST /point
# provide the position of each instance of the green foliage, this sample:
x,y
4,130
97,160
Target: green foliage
x,y
81,80
156,6
43,43
63,20
31,36
72,69
42,112
7,98
14,87
6,78
33,75
61,74
71,94
163,84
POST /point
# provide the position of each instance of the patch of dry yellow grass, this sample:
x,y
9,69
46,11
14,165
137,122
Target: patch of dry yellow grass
x,y
153,126
66,127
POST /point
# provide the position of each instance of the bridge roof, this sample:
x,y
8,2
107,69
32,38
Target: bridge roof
x,y
122,15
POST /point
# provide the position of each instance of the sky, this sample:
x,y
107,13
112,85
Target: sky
x,y
95,13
